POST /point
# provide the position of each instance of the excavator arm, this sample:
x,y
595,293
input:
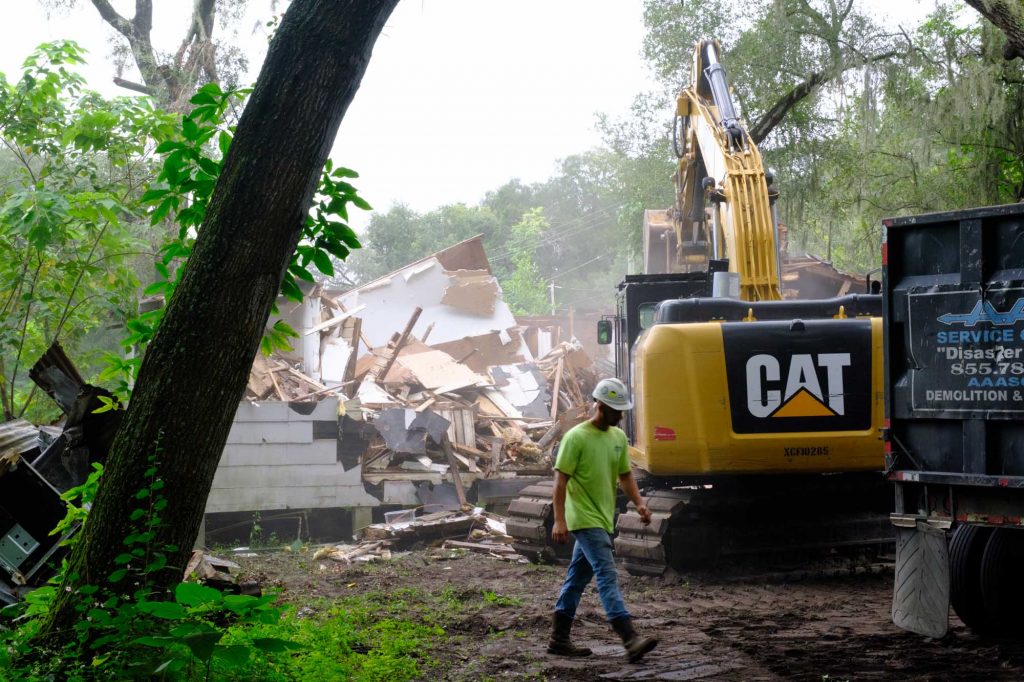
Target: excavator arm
x,y
724,205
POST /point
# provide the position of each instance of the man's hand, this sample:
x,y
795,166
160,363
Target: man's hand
x,y
645,514
560,533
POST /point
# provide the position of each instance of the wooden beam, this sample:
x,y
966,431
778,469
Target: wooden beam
x,y
350,366
341,306
333,321
453,466
557,388
399,344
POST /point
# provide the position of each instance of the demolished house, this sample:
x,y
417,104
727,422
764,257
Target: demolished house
x,y
405,408
417,390
37,464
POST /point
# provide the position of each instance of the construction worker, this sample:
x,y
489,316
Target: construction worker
x,y
591,459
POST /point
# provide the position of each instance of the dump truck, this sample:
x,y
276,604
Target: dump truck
x,y
954,431
757,420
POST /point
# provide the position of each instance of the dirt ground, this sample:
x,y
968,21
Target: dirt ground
x,y
711,627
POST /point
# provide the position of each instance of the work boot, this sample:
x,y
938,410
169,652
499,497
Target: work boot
x,y
559,644
636,646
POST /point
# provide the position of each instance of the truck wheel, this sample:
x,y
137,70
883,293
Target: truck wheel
x,y
965,551
1001,594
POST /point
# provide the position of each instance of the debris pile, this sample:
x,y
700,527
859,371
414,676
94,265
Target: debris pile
x,y
435,377
448,533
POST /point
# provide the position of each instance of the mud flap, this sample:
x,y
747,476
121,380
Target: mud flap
x,y
920,599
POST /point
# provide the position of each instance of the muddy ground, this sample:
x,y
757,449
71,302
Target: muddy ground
x,y
711,627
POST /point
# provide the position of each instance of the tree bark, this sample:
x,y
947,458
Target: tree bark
x,y
1008,16
194,373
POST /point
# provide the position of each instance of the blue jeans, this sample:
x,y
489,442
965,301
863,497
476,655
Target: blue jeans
x,y
592,557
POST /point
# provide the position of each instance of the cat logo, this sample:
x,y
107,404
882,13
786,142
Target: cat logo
x,y
786,381
804,393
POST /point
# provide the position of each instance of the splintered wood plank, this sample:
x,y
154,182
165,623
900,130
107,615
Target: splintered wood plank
x,y
557,388
453,467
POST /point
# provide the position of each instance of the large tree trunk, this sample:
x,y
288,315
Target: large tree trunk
x,y
1008,16
195,370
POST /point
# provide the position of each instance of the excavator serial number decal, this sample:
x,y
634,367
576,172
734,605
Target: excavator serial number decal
x,y
784,380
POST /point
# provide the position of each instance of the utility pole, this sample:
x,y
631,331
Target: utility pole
x,y
551,288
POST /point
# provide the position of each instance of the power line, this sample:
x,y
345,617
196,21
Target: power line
x,y
553,239
576,226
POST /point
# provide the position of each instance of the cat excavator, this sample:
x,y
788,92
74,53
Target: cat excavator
x,y
757,424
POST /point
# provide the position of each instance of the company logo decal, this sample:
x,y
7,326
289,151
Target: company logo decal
x,y
784,380
803,394
984,311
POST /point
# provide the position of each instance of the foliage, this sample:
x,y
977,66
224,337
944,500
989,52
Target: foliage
x,y
72,170
181,194
585,219
128,629
524,288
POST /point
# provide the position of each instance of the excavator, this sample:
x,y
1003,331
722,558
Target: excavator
x,y
757,424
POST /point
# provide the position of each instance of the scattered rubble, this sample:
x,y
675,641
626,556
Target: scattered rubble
x,y
445,532
437,378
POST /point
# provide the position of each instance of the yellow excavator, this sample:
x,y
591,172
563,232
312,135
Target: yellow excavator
x,y
757,420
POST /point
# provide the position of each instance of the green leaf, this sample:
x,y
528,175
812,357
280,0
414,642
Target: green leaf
x,y
156,564
151,195
210,166
202,644
323,262
203,97
362,203
189,128
167,610
240,603
223,143
156,288
155,640
276,644
122,559
290,289
301,272
118,575
341,172
285,329
234,655
168,146
194,594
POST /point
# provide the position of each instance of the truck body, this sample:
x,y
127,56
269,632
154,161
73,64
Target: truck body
x,y
954,378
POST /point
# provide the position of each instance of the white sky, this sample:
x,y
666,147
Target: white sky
x,y
460,96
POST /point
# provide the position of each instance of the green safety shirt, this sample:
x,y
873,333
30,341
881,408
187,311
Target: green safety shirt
x,y
593,460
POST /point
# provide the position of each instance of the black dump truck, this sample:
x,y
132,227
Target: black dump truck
x,y
954,381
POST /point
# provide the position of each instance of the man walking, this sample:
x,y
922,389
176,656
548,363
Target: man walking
x,y
591,459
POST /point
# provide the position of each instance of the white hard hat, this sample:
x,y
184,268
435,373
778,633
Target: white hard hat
x,y
613,393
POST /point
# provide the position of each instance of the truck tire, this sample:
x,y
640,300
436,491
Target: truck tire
x,y
966,548
1001,593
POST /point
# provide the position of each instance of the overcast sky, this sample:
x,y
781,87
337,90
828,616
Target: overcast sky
x,y
459,97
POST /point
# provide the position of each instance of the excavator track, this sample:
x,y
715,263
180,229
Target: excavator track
x,y
704,526
529,521
701,526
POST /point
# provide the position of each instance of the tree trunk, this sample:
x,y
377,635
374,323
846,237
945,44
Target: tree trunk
x,y
1008,16
195,371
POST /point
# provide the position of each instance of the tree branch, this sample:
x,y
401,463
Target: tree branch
x,y
110,15
778,111
137,87
1007,16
